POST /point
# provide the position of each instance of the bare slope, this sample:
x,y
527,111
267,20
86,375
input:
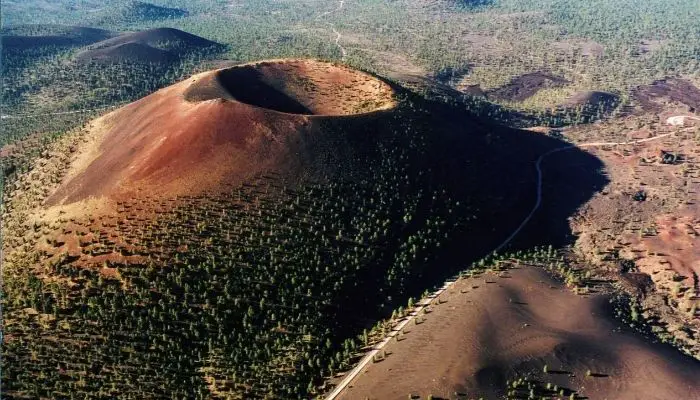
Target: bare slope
x,y
159,45
32,36
656,96
234,250
299,87
195,136
127,52
525,86
499,328
653,243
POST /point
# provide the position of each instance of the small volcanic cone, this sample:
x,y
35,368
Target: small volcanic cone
x,y
222,126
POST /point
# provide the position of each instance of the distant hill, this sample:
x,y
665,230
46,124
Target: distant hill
x,y
168,39
138,11
32,36
128,52
670,90
154,45
592,103
474,3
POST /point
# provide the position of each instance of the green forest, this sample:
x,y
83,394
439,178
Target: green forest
x,y
199,317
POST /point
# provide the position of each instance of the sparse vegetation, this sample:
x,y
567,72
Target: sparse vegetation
x,y
271,287
158,287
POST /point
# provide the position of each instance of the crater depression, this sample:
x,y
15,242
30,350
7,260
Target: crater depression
x,y
296,87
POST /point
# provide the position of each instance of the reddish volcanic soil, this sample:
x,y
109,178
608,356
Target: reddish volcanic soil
x,y
488,330
653,97
218,128
653,245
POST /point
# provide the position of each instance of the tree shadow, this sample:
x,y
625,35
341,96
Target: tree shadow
x,y
472,161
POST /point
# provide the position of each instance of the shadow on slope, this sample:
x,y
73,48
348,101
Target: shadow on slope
x,y
291,235
652,98
159,46
523,87
491,168
525,325
296,87
163,38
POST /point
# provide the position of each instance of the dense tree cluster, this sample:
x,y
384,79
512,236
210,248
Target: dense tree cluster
x,y
263,290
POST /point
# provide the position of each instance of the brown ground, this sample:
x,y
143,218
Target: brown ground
x,y
659,237
155,38
491,329
525,86
592,99
296,87
570,333
655,97
198,135
160,45
163,146
55,36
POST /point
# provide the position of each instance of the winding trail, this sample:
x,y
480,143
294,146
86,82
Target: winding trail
x,y
423,304
343,52
538,167
337,43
